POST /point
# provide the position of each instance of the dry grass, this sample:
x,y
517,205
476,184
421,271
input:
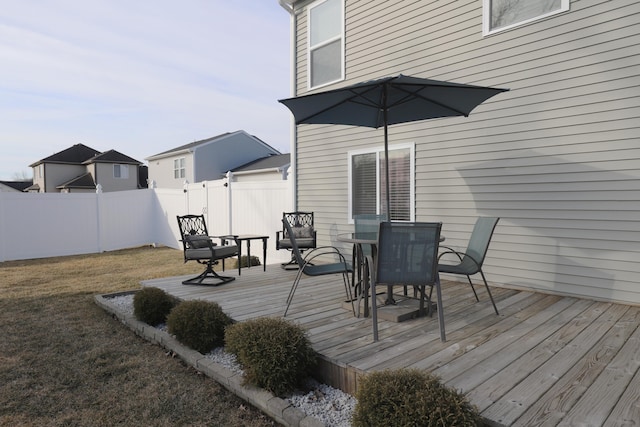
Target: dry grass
x,y
65,362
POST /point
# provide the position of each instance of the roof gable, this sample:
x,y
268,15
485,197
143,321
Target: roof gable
x,y
112,156
75,154
198,144
270,162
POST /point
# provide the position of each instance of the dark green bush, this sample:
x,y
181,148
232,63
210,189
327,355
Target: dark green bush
x,y
410,397
152,305
198,324
275,354
244,261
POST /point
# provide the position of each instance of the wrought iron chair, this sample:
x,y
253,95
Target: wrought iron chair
x,y
470,261
306,267
198,246
407,256
301,224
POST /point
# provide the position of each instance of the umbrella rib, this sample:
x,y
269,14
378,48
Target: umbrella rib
x,y
356,95
418,95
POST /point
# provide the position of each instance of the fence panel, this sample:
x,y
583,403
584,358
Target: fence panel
x,y
45,225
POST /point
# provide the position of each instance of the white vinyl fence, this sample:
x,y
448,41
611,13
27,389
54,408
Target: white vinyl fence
x,y
44,225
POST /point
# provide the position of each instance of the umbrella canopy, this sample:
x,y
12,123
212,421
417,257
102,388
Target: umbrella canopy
x,y
388,101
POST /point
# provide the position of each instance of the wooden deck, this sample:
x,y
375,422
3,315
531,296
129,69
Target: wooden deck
x,y
545,361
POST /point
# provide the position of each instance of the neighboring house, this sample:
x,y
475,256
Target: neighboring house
x,y
557,157
14,186
272,168
209,159
80,169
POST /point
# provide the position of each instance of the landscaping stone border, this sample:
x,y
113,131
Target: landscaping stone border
x,y
278,409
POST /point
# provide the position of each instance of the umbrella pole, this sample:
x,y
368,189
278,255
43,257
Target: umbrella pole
x,y
386,168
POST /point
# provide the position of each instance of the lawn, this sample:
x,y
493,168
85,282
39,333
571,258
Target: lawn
x,y
66,362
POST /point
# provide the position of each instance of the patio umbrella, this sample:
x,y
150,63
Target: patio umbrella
x,y
387,101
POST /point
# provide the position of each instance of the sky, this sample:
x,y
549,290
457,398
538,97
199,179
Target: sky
x,y
140,77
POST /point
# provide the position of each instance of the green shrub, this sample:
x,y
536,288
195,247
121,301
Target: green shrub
x,y
152,305
244,261
410,397
275,354
198,324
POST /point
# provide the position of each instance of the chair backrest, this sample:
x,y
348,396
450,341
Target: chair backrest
x,y
480,238
408,253
295,250
191,225
298,219
368,223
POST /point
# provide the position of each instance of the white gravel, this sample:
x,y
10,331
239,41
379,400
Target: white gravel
x,y
331,406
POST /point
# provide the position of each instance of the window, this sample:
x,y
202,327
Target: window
x,y
500,15
326,42
367,182
178,168
121,171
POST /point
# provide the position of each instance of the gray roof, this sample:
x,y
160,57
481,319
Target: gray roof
x,y
271,162
18,185
73,155
112,156
82,181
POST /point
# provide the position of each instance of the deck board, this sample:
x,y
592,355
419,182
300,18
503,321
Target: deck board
x,y
546,360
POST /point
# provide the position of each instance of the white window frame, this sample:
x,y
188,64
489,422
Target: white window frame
x,y
311,48
123,171
379,151
486,17
179,168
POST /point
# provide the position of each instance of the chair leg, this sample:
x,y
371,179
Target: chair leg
x,y
489,292
443,336
473,288
292,291
347,289
209,273
374,311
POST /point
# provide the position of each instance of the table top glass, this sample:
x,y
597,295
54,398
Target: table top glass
x,y
359,237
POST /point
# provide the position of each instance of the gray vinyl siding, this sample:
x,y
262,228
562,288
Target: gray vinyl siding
x,y
557,157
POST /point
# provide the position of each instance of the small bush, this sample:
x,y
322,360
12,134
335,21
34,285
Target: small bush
x,y
245,263
152,305
198,324
275,354
410,397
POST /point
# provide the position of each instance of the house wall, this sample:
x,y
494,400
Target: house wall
x,y
214,160
56,174
556,157
104,174
161,171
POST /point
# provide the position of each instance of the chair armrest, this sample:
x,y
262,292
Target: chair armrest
x,y
459,254
323,250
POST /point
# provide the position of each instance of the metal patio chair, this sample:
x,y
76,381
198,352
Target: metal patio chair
x,y
309,269
198,246
470,261
407,256
301,224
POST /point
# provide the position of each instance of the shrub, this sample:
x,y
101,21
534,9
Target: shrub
x,y
198,324
152,305
410,397
244,261
275,354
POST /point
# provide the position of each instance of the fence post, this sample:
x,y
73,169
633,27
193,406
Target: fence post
x,y
229,200
98,218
